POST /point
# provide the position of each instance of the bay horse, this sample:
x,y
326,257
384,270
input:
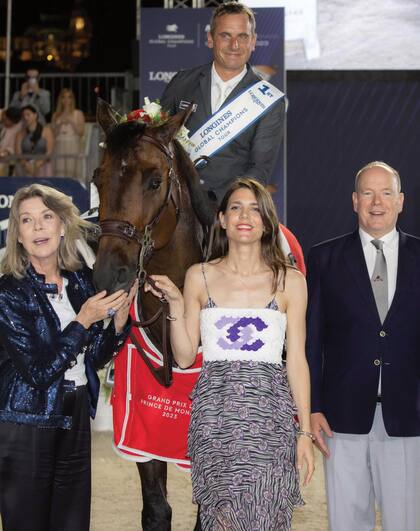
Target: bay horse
x,y
153,212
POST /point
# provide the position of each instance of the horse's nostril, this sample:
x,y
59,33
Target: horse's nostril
x,y
122,275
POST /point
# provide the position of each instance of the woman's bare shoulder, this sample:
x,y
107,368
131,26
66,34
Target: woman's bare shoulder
x,y
295,280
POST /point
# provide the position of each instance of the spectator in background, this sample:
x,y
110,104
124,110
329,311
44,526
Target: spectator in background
x,y
68,125
31,93
34,139
10,126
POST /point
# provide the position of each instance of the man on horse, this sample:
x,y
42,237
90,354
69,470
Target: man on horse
x,y
251,112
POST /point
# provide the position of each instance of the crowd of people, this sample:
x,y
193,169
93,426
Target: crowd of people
x,y
31,147
352,369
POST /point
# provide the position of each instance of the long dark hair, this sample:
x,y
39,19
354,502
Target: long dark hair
x,y
271,250
35,135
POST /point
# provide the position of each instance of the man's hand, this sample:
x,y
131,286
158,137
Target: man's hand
x,y
320,424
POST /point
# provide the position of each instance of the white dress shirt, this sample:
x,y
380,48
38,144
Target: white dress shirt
x,y
390,249
66,314
220,89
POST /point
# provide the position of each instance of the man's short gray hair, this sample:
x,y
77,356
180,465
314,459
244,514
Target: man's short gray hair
x,y
378,164
232,8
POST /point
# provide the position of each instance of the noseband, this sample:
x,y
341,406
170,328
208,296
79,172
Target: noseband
x,y
127,231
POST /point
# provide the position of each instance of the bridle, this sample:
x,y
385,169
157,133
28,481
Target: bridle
x,y
127,231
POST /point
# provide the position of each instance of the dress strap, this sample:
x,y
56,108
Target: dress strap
x,y
205,280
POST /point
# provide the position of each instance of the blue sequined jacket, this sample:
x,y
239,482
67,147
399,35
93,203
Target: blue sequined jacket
x,y
35,353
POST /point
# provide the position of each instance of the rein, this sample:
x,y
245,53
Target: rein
x,y
128,232
162,374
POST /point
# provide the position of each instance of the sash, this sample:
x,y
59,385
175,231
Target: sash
x,y
233,118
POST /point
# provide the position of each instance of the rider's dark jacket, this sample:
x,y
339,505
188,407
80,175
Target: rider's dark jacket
x,y
35,353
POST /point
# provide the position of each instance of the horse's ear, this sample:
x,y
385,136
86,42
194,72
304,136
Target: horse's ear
x,y
168,131
106,116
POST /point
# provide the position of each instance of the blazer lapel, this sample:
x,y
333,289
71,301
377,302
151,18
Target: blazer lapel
x,y
403,274
356,264
205,86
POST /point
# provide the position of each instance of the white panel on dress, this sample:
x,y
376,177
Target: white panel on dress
x,y
242,334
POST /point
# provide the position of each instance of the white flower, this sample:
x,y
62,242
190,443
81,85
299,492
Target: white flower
x,y
152,108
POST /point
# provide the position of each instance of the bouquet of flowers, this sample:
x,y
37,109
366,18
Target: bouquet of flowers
x,y
152,114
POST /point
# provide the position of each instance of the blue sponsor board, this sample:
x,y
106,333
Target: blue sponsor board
x,y
9,186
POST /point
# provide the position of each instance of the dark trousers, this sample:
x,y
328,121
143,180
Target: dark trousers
x,y
45,473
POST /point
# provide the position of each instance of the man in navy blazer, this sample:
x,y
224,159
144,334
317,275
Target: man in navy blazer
x,y
254,152
365,361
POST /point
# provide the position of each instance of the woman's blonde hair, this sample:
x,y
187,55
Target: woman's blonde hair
x,y
271,250
60,107
15,261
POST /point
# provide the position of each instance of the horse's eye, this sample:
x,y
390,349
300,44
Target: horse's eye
x,y
155,183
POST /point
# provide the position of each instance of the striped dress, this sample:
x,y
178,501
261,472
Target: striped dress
x,y
242,435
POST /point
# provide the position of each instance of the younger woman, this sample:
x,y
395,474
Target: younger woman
x,y
243,437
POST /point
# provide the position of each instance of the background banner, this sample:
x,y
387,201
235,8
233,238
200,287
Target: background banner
x,y
176,39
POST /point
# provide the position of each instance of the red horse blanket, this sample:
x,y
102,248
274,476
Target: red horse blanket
x,y
151,421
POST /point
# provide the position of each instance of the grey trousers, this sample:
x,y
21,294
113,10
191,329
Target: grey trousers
x,y
364,469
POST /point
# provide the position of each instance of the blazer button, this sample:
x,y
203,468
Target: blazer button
x,y
377,362
382,333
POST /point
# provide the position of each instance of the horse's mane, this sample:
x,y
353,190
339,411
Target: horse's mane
x,y
204,208
124,136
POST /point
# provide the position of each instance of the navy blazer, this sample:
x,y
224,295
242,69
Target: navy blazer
x,y
347,344
252,153
35,353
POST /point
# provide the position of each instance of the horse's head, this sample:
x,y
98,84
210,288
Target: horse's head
x,y
137,187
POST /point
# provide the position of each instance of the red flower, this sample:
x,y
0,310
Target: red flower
x,y
135,115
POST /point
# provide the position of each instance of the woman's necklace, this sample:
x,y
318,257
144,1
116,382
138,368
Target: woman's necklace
x,y
59,295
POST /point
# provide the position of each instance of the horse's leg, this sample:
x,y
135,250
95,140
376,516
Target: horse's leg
x,y
156,514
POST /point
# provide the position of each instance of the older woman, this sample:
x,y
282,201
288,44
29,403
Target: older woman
x,y
242,435
53,340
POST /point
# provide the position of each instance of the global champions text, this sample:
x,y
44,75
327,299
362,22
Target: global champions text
x,y
219,128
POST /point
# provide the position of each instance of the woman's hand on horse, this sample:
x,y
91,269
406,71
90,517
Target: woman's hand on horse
x,y
164,286
121,316
101,306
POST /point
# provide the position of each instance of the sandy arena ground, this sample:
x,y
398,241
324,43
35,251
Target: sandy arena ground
x,y
116,494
